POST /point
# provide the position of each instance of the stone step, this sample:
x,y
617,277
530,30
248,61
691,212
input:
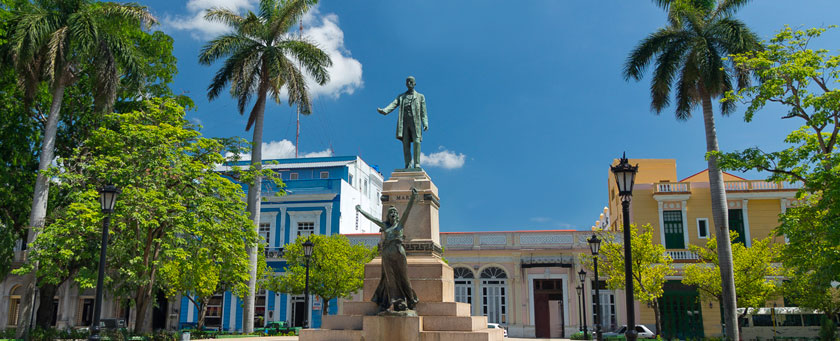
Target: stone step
x,y
359,308
331,335
481,335
342,322
443,309
454,323
422,308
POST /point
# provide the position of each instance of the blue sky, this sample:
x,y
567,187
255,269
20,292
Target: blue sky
x,y
527,105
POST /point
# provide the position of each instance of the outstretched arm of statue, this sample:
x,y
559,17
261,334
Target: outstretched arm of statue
x,y
370,217
390,107
404,217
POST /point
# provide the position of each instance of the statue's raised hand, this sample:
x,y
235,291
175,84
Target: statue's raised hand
x,y
381,111
413,191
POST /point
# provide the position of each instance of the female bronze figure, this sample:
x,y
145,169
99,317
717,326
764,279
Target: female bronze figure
x,y
394,287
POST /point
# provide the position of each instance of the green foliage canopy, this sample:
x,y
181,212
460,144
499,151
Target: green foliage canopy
x,y
756,271
336,268
804,81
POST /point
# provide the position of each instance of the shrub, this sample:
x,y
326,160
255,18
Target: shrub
x,y
828,330
579,336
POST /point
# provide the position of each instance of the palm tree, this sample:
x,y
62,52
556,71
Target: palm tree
x,y
688,55
56,41
263,57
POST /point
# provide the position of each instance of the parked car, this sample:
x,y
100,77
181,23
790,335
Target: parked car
x,y
277,328
643,332
497,326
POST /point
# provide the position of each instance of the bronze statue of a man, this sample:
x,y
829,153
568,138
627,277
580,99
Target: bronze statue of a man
x,y
394,289
412,119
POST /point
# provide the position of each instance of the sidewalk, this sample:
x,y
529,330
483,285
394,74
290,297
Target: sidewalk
x,y
289,338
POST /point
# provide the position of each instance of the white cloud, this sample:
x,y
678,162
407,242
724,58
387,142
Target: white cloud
x,y
443,158
194,21
283,149
345,72
321,29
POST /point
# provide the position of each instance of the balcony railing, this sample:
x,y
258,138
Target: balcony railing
x,y
682,255
760,185
274,252
672,187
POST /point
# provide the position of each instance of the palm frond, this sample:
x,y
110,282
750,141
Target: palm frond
x,y
127,12
727,8
667,64
220,47
56,53
734,36
224,16
653,44
314,60
687,95
106,79
726,107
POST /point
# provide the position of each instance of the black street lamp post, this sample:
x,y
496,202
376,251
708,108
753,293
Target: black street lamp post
x,y
107,199
580,307
625,176
307,253
595,246
582,275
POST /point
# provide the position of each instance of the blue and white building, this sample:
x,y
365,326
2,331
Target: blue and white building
x,y
321,196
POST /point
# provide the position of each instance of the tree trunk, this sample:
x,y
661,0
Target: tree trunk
x,y
721,220
142,322
254,211
658,316
46,306
202,312
325,307
39,200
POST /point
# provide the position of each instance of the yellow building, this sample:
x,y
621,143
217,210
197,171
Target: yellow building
x,y
680,213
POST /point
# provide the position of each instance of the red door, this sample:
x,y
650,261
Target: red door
x,y
542,319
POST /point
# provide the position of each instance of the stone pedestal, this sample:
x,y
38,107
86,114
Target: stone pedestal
x,y
422,230
439,318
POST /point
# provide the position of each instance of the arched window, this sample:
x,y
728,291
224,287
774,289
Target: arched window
x,y
463,285
14,304
494,294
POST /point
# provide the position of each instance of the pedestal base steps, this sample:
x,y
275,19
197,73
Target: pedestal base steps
x,y
449,321
439,318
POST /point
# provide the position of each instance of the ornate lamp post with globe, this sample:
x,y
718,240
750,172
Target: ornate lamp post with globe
x,y
307,253
582,275
107,199
580,307
625,176
595,246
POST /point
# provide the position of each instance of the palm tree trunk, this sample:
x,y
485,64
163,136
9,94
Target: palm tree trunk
x,y
39,200
721,219
254,210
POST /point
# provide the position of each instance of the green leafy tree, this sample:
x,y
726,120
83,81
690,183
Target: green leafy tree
x,y
756,275
336,269
262,59
52,40
687,54
803,80
650,266
172,200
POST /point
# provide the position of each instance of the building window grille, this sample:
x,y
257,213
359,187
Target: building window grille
x,y
325,175
293,176
213,317
702,228
305,228
493,294
463,285
265,232
674,238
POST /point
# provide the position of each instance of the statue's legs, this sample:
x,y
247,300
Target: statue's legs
x,y
407,151
417,154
